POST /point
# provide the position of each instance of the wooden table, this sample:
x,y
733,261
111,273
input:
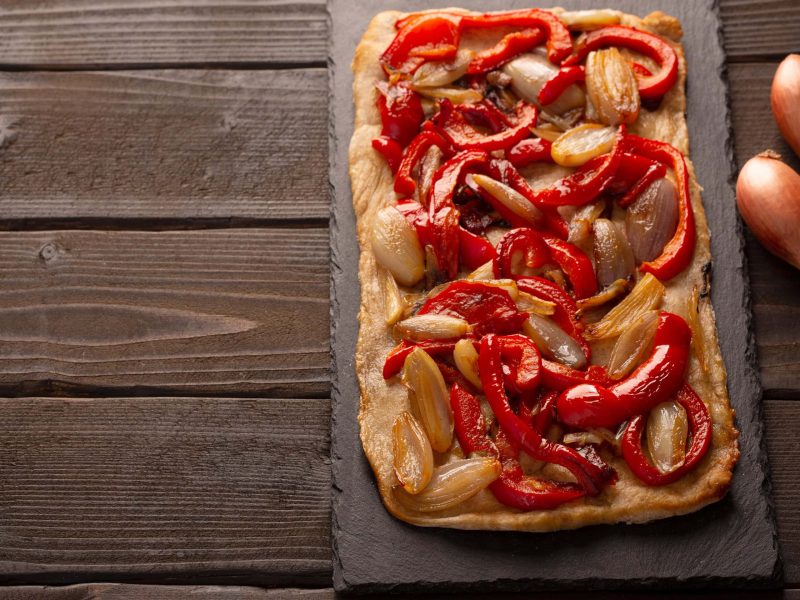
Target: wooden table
x,y
164,310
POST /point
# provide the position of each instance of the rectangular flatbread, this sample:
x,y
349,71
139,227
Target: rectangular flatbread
x,y
625,498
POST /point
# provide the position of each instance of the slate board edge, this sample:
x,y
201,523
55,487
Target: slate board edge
x,y
751,349
342,245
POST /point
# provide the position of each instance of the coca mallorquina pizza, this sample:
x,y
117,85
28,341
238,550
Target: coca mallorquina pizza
x,y
537,349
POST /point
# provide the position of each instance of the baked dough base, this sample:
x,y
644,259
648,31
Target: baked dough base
x,y
630,500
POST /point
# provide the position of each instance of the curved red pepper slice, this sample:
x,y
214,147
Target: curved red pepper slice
x,y
654,381
559,41
474,250
529,151
401,112
634,175
576,266
591,474
523,360
397,357
651,87
558,83
432,36
561,377
512,488
487,308
392,151
454,126
519,245
566,309
404,183
442,213
701,426
510,46
678,252
587,182
486,114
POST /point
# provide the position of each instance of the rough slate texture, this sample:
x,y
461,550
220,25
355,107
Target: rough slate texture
x,y
731,544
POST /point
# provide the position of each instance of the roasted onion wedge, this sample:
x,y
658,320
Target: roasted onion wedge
x,y
422,376
667,431
396,246
651,220
452,484
413,456
612,87
633,345
431,327
646,295
554,342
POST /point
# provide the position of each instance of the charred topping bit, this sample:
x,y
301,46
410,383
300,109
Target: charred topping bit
x,y
497,360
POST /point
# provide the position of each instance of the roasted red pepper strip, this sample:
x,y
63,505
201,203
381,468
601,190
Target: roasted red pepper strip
x,y
561,377
474,250
442,213
591,474
510,46
522,245
576,265
529,151
397,357
487,308
544,418
512,488
634,174
559,41
701,427
654,381
678,252
454,126
566,310
558,83
651,87
433,36
587,182
486,114
392,151
401,112
522,358
404,183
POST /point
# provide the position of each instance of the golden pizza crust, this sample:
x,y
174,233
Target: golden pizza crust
x,y
630,500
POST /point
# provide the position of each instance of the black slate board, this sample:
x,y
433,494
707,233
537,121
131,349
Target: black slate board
x,y
730,544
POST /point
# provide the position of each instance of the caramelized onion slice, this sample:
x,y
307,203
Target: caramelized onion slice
x,y
483,273
582,143
667,431
585,20
554,342
413,456
422,376
456,95
609,293
452,484
633,345
396,246
613,256
441,73
612,87
531,304
646,295
508,197
466,358
529,72
651,220
394,306
698,337
431,327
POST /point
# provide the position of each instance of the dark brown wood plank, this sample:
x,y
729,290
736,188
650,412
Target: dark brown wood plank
x,y
165,489
775,285
204,144
782,417
68,33
123,591
767,28
88,33
215,311
199,490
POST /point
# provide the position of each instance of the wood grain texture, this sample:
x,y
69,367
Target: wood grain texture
x,y
782,417
92,33
763,29
216,311
122,591
775,285
191,145
169,489
69,34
